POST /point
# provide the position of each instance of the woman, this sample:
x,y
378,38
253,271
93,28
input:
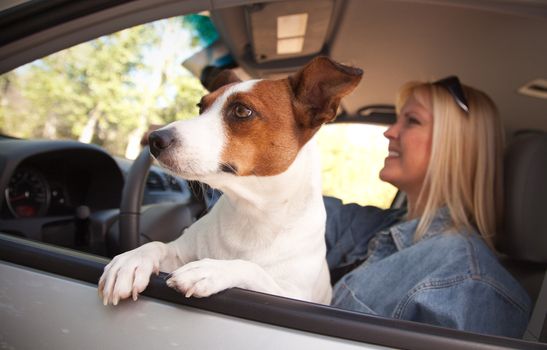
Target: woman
x,y
434,262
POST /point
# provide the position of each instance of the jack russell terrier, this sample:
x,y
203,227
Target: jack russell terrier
x,y
266,233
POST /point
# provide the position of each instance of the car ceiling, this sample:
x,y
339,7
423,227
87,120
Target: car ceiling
x,y
492,51
496,46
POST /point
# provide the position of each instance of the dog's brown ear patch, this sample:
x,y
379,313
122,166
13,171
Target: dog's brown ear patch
x,y
318,88
223,78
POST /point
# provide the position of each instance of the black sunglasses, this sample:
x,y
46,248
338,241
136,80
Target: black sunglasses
x,y
454,87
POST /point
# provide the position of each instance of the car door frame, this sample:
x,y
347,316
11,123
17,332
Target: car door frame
x,y
263,308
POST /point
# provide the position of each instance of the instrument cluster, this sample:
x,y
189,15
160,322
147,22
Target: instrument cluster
x,y
31,193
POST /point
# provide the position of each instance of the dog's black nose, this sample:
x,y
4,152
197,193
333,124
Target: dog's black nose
x,y
159,141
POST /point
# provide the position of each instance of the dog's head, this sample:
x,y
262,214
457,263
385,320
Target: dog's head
x,y
254,127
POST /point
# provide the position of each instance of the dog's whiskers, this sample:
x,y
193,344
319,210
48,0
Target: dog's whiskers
x,y
196,187
229,168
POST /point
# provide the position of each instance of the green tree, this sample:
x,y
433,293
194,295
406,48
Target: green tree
x,y
105,91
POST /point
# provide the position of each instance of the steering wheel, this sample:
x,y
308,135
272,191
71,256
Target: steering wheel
x,y
137,226
130,206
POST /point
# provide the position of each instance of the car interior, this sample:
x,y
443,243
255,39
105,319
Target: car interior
x,y
102,205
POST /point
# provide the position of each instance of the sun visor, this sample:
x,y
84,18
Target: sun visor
x,y
282,30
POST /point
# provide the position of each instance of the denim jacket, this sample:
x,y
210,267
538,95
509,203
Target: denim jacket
x,y
446,278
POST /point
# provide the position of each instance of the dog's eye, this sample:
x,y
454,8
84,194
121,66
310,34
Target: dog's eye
x,y
241,111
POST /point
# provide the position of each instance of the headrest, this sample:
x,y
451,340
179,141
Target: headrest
x,y
524,236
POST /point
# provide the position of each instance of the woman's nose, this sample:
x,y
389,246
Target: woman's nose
x,y
392,132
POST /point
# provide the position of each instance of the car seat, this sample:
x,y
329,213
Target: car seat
x,y
523,241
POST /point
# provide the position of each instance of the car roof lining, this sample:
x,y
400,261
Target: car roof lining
x,y
409,50
414,52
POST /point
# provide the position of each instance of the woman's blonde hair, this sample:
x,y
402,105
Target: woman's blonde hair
x,y
465,168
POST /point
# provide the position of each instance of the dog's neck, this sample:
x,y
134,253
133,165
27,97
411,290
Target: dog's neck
x,y
296,186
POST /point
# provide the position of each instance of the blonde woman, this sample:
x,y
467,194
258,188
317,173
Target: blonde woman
x,y
433,262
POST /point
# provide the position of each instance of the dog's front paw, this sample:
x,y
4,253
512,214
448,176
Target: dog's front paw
x,y
205,277
128,274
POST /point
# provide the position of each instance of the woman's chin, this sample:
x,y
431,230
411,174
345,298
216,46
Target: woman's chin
x,y
387,175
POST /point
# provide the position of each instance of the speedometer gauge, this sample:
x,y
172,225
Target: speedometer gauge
x,y
27,194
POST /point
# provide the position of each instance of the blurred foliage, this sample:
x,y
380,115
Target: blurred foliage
x,y
103,90
352,156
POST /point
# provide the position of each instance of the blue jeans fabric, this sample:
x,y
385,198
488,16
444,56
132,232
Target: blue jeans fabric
x,y
447,278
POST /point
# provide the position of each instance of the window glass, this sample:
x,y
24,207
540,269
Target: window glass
x,y
108,91
352,156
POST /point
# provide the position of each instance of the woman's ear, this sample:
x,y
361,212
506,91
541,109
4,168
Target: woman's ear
x,y
320,85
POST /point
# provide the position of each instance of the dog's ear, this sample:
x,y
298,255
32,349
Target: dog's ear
x,y
219,78
319,86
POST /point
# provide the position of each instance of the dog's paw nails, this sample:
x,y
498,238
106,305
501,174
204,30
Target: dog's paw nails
x,y
190,292
172,284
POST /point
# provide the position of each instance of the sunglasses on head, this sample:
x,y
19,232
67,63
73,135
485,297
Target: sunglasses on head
x,y
454,87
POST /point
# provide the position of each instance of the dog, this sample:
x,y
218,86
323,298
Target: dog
x,y
253,141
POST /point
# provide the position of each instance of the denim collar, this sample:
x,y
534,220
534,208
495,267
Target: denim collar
x,y
403,233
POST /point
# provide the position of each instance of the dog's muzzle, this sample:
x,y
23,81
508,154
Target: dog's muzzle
x,y
160,140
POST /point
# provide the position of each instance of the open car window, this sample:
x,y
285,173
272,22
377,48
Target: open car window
x,y
110,90
107,92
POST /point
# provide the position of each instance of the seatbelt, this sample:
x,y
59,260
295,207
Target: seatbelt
x,y
537,327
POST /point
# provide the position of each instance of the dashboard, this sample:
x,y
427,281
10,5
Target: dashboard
x,y
55,178
68,193
58,183
29,194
